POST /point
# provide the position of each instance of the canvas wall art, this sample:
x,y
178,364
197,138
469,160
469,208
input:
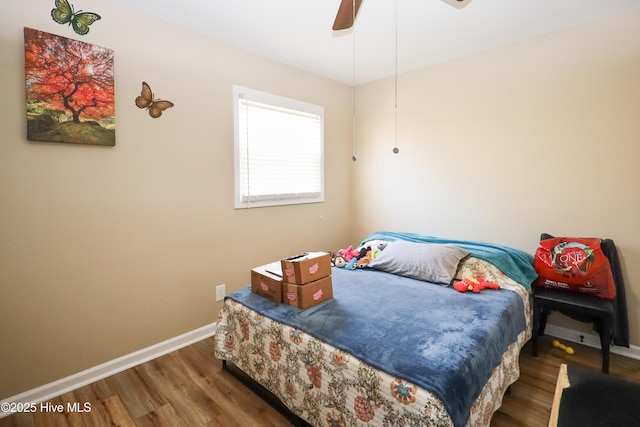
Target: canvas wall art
x,y
70,90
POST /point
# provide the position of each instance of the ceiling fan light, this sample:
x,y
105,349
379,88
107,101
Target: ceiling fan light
x,y
458,4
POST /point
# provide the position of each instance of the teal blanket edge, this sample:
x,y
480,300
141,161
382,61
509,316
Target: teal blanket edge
x,y
515,263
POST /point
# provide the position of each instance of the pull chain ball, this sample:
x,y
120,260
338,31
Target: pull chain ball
x,y
395,150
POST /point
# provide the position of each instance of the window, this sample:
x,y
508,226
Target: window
x,y
279,150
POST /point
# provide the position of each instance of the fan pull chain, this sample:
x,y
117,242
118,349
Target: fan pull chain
x,y
353,86
396,150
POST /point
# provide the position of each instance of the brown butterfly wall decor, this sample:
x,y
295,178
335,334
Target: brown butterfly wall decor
x,y
154,106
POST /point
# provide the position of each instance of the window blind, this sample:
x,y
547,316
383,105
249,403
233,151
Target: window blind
x,y
279,151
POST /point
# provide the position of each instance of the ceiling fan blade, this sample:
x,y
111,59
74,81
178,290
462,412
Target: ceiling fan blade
x,y
459,4
346,15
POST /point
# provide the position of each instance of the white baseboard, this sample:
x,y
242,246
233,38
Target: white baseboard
x,y
591,340
88,376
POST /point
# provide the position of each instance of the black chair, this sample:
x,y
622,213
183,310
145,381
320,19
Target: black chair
x,y
601,311
608,316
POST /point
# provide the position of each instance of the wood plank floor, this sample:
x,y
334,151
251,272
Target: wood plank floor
x,y
189,388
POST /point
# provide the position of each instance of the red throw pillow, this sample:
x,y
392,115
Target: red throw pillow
x,y
575,265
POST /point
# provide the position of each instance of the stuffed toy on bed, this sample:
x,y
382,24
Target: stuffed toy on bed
x,y
349,253
351,258
473,285
337,260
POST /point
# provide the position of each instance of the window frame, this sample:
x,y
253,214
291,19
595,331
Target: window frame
x,y
242,201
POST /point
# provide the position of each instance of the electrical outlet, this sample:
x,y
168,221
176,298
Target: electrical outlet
x,y
220,292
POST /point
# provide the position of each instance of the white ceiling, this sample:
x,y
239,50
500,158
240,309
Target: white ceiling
x,y
298,32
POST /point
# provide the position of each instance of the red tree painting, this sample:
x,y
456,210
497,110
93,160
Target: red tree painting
x,y
70,90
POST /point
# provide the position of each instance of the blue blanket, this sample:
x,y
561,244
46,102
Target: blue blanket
x,y
441,340
514,263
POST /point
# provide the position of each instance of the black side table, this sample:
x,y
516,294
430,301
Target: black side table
x,y
584,306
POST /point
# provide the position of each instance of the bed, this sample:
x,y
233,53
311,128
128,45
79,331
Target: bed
x,y
390,349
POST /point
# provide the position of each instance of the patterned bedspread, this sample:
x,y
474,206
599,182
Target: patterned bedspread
x,y
327,386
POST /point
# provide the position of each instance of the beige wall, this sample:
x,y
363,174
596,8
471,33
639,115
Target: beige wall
x,y
540,136
104,251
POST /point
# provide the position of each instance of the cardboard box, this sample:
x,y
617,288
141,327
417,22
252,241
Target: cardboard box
x,y
306,267
266,281
309,294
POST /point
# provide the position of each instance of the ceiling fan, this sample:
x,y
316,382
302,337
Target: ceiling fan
x,y
349,9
